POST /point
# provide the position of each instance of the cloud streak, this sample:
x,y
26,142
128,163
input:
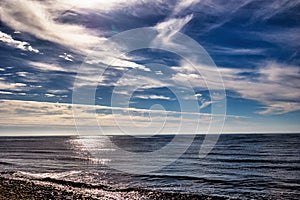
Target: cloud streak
x,y
24,46
275,84
39,19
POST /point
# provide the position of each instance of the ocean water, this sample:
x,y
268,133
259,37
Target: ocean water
x,y
242,166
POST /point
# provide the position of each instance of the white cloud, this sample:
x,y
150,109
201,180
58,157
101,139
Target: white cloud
x,y
275,86
237,51
167,29
184,4
280,73
103,6
153,97
159,72
12,93
125,64
19,84
173,24
205,104
46,66
5,92
58,91
187,75
12,86
39,19
67,57
24,46
22,74
280,107
49,95
273,8
33,113
6,86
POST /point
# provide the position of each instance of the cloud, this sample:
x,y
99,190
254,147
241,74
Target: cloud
x,y
22,74
67,57
168,28
276,85
125,64
186,75
161,97
102,6
30,113
49,95
184,4
11,86
58,91
271,9
46,66
237,51
205,104
19,84
159,72
34,113
280,107
286,37
40,19
283,74
24,46
5,92
13,93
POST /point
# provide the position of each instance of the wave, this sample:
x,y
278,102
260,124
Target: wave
x,y
202,179
40,181
6,163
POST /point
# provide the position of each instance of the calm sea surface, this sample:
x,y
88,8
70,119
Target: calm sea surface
x,y
245,166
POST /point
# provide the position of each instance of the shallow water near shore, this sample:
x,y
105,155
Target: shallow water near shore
x,y
242,166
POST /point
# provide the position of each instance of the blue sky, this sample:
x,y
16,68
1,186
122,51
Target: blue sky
x,y
44,44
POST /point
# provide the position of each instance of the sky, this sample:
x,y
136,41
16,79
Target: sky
x,y
57,54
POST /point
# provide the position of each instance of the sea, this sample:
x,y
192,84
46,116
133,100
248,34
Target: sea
x,y
240,166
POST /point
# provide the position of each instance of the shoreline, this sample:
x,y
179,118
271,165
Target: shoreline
x,y
21,189
11,189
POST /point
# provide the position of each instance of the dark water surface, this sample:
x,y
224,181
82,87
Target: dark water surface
x,y
245,166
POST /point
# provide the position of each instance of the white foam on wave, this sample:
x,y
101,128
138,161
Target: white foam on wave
x,y
54,175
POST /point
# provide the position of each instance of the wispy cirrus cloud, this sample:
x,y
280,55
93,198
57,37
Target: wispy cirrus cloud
x,y
168,28
24,46
182,5
271,9
46,66
39,19
274,84
237,51
153,97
